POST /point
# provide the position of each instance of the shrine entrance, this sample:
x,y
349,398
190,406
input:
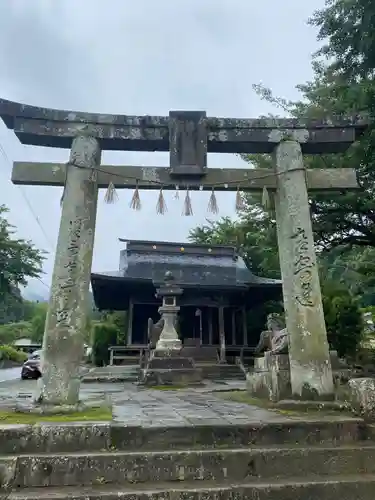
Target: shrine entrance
x,y
188,136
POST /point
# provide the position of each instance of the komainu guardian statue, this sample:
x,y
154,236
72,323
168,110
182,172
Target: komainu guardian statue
x,y
275,339
154,331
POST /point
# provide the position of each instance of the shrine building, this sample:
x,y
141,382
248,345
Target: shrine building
x,y
212,277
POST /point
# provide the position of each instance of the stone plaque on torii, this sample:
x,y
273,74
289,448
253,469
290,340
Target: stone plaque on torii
x,y
189,136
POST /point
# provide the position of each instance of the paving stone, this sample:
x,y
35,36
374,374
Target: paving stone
x,y
135,406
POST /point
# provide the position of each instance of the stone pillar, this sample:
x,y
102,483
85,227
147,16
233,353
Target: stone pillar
x,y
68,304
311,374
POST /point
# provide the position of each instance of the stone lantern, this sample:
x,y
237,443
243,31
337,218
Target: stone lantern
x,y
168,292
166,364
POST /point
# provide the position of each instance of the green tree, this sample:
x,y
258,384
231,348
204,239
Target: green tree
x,y
104,335
343,85
119,319
13,307
347,28
38,321
344,320
345,218
11,332
19,259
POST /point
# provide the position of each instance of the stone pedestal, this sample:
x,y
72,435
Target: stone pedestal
x,y
271,378
311,373
362,397
168,340
166,365
170,368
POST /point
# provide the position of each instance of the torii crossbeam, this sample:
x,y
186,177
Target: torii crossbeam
x,y
188,136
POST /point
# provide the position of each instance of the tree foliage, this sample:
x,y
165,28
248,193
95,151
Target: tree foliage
x,y
19,259
343,85
8,353
104,335
343,317
253,234
13,307
30,325
38,321
257,242
347,28
345,218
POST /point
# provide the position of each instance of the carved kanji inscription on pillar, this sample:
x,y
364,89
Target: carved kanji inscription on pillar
x,y
303,265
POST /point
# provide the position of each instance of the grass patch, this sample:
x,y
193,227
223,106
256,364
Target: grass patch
x,y
101,414
244,397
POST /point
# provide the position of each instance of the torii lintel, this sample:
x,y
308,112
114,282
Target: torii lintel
x,y
57,128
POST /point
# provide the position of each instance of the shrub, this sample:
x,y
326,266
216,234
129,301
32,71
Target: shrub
x,y
103,336
119,319
257,317
344,320
11,332
9,353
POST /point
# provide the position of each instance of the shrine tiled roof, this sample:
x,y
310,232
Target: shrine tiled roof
x,y
191,265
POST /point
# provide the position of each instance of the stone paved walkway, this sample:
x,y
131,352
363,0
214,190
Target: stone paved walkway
x,y
184,407
133,405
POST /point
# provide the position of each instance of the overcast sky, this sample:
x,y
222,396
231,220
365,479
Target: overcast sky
x,y
141,57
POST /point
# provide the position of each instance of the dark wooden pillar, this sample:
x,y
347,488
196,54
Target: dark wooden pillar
x,y
222,334
244,327
210,326
233,333
129,338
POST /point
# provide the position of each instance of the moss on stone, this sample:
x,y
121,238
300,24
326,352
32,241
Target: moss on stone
x,y
244,397
168,387
102,414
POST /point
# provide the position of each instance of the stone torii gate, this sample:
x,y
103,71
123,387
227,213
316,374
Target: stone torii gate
x,y
188,136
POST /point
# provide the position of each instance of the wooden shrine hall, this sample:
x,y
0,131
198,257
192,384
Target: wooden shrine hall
x,y
217,286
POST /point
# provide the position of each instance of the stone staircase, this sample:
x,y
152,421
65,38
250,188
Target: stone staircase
x,y
221,372
290,459
123,373
114,373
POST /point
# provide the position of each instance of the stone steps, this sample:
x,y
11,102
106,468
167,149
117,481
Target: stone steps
x,y
130,373
330,459
116,373
221,371
236,465
75,437
344,488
